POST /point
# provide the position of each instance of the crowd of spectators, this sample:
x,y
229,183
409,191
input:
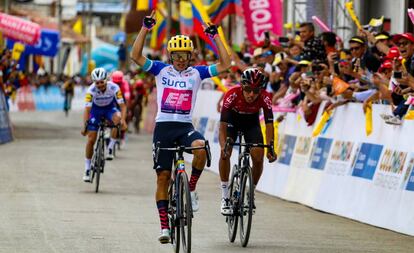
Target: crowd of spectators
x,y
306,69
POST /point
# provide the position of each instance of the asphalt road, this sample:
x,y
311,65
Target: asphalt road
x,y
46,207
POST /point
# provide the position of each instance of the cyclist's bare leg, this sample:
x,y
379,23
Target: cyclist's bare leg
x,y
116,119
161,197
163,180
224,166
89,153
89,145
224,170
200,155
257,158
199,161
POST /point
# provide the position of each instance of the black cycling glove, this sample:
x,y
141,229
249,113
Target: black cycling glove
x,y
211,31
148,23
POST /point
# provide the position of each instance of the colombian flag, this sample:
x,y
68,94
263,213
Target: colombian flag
x,y
144,5
219,9
201,18
186,18
160,29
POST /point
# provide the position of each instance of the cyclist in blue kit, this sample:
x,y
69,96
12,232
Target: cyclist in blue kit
x,y
177,85
100,102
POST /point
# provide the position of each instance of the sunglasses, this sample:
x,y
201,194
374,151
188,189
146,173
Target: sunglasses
x,y
100,82
180,56
249,89
403,44
354,48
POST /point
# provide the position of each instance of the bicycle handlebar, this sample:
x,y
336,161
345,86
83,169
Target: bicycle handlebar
x,y
248,145
103,123
181,149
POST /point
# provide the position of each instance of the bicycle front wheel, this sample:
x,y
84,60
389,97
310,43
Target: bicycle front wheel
x,y
99,164
185,213
246,205
172,216
234,193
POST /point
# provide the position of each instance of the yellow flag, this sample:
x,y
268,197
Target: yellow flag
x,y
409,115
77,27
276,135
219,84
223,39
374,22
350,7
368,119
18,49
263,127
143,5
322,122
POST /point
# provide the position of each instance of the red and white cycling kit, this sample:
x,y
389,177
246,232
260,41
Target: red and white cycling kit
x,y
244,116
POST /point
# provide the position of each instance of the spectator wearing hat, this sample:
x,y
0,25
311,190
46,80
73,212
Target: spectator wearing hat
x,y
263,58
359,50
405,44
403,69
380,42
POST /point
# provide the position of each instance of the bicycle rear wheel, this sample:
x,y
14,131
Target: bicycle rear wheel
x,y
234,191
246,205
186,212
172,217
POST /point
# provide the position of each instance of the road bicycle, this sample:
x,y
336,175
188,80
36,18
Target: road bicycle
x,y
98,158
241,191
180,212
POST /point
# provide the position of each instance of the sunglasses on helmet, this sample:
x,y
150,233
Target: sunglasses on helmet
x,y
248,89
180,56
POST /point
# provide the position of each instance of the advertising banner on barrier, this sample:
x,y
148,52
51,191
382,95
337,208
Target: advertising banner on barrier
x,y
343,171
261,16
19,29
5,130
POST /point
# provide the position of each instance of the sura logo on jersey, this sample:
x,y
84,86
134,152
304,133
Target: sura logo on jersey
x,y
173,83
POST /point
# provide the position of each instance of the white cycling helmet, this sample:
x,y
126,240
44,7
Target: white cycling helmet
x,y
99,74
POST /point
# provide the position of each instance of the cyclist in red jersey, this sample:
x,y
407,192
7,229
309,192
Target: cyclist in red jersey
x,y
118,78
240,112
137,98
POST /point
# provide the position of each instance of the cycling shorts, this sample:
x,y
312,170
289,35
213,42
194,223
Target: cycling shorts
x,y
97,113
252,134
169,134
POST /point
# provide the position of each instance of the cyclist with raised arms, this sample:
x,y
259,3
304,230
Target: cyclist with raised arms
x,y
177,85
240,112
101,102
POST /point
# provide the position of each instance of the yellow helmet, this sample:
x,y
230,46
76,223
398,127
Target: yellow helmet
x,y
180,43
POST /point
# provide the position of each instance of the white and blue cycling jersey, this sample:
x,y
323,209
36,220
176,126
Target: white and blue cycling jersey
x,y
177,91
103,104
96,98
